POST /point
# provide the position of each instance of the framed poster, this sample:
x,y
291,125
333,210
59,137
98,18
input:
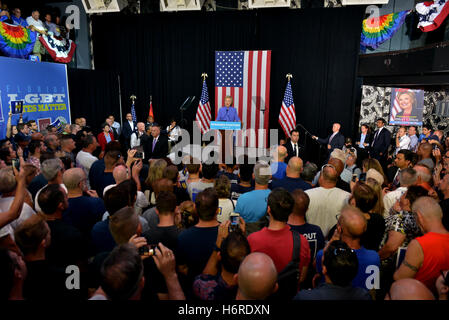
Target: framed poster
x,y
406,107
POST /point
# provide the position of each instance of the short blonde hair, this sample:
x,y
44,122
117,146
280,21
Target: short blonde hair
x,y
229,97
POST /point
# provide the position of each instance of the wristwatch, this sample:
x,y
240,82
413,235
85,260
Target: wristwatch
x,y
216,248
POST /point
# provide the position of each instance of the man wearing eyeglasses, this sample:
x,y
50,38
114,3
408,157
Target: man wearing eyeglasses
x,y
426,255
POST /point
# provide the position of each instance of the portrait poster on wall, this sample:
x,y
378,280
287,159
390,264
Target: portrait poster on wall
x,y
406,107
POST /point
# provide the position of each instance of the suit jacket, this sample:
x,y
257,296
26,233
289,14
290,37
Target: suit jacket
x,y
160,149
338,141
381,143
290,151
102,140
127,131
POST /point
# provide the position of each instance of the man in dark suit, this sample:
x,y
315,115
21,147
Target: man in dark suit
x,y
334,141
292,146
156,145
129,126
381,142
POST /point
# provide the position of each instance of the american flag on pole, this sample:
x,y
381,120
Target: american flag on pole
x,y
432,14
245,76
203,114
287,115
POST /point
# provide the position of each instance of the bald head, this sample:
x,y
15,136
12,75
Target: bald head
x,y
257,277
120,174
338,164
428,208
352,222
73,177
425,150
282,153
409,289
37,136
141,126
294,167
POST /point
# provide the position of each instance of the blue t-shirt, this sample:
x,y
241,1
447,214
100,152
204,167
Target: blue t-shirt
x,y
252,206
278,170
83,213
369,264
290,184
102,238
314,236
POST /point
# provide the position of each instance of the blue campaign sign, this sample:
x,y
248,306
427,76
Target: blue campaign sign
x,y
224,125
42,87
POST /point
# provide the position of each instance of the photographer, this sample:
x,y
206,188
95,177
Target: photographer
x,y
219,283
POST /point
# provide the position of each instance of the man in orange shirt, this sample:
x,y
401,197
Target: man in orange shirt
x,y
426,256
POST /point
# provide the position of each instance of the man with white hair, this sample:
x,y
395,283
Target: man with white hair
x,y
334,141
136,135
8,188
426,256
52,170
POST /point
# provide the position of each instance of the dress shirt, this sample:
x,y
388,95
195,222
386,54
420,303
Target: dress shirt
x,y
362,141
295,150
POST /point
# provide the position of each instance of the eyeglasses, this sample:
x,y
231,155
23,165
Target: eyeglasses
x,y
327,165
338,251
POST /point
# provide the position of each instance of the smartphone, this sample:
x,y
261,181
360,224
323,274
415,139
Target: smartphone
x,y
435,147
16,164
235,221
138,155
148,250
354,177
362,177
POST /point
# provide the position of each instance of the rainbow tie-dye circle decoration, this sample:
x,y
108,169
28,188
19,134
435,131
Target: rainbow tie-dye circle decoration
x,y
16,41
376,31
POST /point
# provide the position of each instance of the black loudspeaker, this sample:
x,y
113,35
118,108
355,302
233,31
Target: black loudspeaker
x,y
442,109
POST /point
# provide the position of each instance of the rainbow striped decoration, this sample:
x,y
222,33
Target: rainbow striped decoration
x,y
376,31
16,41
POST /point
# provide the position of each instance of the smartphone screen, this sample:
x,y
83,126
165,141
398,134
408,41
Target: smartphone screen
x,y
234,219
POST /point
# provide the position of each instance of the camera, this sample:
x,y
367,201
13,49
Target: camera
x,y
148,250
235,222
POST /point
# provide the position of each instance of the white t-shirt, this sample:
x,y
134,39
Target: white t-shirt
x,y
225,209
36,204
27,211
324,205
390,199
85,160
38,24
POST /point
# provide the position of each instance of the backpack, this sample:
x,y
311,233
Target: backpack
x,y
288,278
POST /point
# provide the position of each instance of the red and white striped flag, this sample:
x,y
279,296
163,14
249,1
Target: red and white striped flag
x,y
287,115
432,14
245,76
203,114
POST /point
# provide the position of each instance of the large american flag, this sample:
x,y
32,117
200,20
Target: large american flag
x,y
203,114
245,76
287,116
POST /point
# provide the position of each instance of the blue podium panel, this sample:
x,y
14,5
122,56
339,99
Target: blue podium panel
x,y
225,125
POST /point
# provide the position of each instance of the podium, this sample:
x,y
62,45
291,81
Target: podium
x,y
226,129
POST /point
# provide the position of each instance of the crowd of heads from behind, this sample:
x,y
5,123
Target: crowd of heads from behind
x,y
369,223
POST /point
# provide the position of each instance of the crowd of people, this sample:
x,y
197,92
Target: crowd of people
x,y
369,224
51,22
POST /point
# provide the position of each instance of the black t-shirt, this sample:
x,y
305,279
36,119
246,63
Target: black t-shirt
x,y
195,245
445,207
374,233
95,171
67,247
100,181
47,282
237,190
314,236
232,176
181,195
36,184
154,281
